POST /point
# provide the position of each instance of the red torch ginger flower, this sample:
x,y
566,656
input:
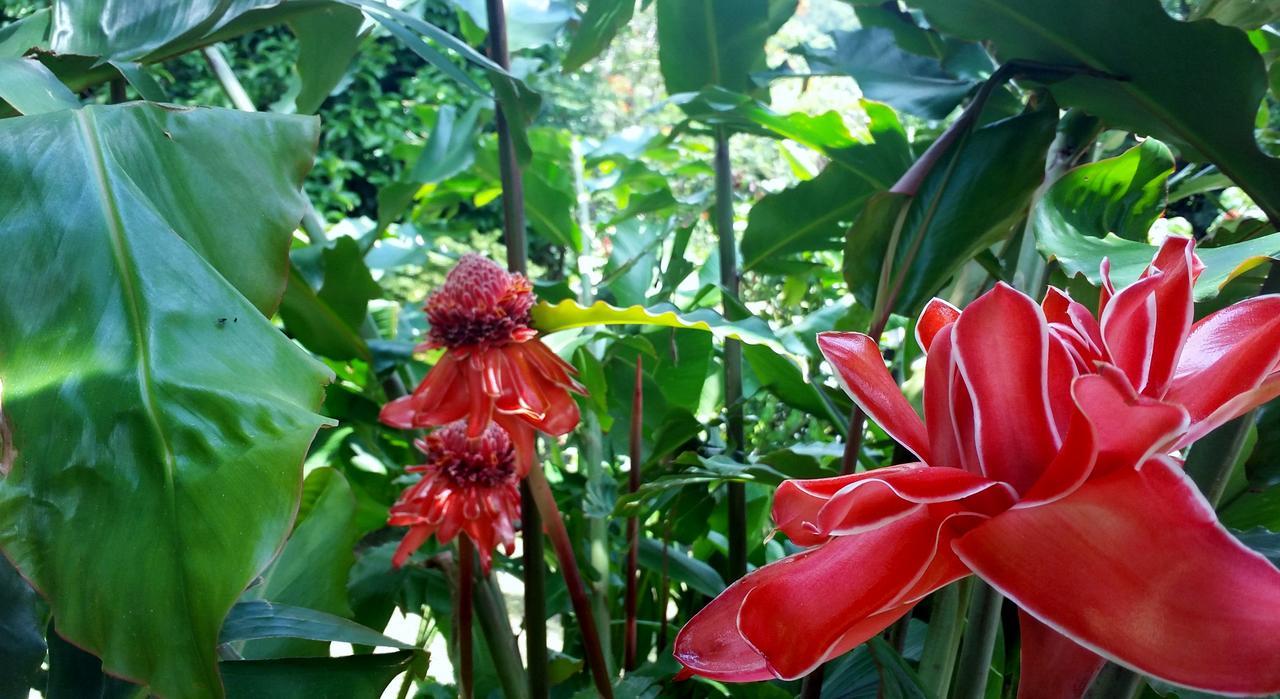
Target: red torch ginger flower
x,y
469,485
494,368
1044,467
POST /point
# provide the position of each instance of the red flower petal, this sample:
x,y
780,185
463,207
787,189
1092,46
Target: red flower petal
x,y
1001,348
1136,567
1227,358
861,371
946,444
819,603
937,314
1053,666
887,494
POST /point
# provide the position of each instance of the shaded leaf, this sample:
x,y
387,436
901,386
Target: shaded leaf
x,y
327,320
21,634
450,147
682,567
596,30
716,42
256,619
969,201
691,469
137,420
327,42
1264,541
352,677
1202,98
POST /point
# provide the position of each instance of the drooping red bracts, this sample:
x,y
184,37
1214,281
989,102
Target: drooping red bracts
x,y
469,485
494,368
1045,467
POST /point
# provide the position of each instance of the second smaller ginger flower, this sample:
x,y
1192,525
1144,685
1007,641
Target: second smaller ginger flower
x,y
469,485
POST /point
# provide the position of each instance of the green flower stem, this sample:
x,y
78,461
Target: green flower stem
x,y
942,643
491,612
546,504
734,416
979,642
633,523
466,586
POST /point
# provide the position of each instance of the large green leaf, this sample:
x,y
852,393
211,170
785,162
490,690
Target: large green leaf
x,y
327,298
31,88
601,22
158,419
133,29
1201,97
682,567
889,73
327,42
312,570
1079,254
691,469
569,314
716,42
258,619
352,677
969,200
21,634
1122,195
815,215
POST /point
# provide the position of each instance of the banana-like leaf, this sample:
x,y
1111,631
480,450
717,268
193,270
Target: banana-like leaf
x,y
1202,98
716,42
31,88
549,318
154,420
257,619
352,677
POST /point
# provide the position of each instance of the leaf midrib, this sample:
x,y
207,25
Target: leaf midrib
x,y
127,269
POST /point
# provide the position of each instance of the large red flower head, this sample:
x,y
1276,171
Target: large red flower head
x,y
494,368
468,485
1044,467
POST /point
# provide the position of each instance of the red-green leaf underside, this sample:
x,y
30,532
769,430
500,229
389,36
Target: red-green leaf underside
x,y
155,421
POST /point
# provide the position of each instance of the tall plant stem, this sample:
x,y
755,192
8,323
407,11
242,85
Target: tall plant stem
x,y
513,231
735,430
942,643
234,90
633,523
546,503
491,612
591,455
466,586
979,642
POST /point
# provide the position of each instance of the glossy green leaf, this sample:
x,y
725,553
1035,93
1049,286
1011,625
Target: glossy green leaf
x,y
1246,14
255,619
571,314
351,677
139,79
31,88
450,147
1264,541
1123,195
682,567
312,570
17,38
21,634
599,25
825,132
327,298
716,42
691,469
969,201
1202,98
142,386
888,73
815,215
327,42
132,29
1080,254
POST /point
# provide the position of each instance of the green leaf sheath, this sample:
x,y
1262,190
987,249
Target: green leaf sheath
x,y
158,419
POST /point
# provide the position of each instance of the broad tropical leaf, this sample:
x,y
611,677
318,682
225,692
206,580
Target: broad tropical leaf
x,y
702,43
1201,98
327,42
815,215
260,619
158,419
601,22
352,677
969,201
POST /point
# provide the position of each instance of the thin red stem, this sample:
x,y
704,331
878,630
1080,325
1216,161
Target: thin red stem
x,y
466,586
553,524
633,523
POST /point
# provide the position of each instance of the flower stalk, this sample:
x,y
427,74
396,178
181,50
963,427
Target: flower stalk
x,y
735,432
545,501
466,587
979,642
633,523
